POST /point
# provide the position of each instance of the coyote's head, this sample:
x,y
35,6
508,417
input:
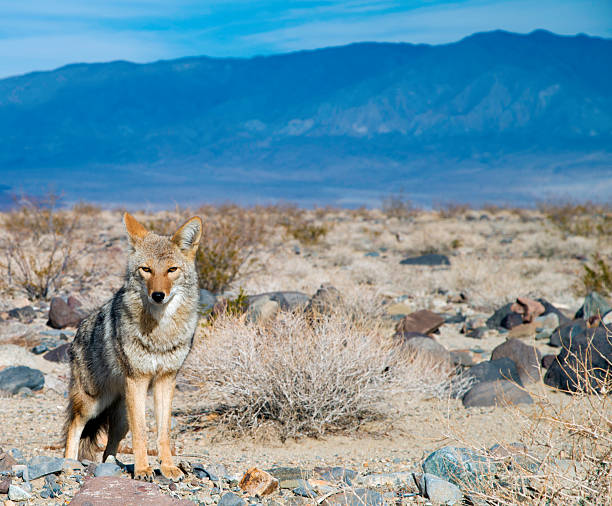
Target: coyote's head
x,y
162,266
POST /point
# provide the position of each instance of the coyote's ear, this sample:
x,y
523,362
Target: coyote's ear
x,y
187,238
134,228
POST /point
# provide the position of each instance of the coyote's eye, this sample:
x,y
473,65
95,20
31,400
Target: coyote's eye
x,y
172,269
145,269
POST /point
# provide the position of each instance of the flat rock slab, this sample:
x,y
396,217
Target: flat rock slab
x,y
429,259
423,322
41,465
113,491
496,393
14,378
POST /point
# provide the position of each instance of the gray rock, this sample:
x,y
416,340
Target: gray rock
x,y
42,465
491,370
550,309
495,393
594,305
526,358
107,469
207,300
288,301
437,490
290,473
262,308
457,465
495,321
52,486
17,455
59,354
14,378
430,346
214,472
355,497
39,349
231,499
18,494
24,314
431,259
395,480
304,489
567,332
336,474
325,301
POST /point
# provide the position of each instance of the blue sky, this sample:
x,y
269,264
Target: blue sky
x,y
45,34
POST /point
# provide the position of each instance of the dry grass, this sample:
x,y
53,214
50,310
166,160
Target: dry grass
x,y
564,452
308,378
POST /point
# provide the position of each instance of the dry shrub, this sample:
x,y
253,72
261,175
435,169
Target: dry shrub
x,y
230,237
398,205
305,377
588,219
564,453
308,233
39,245
451,209
597,278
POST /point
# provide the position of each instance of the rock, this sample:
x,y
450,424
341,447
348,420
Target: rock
x,y
437,490
495,393
429,346
62,315
52,486
477,333
511,320
290,473
288,301
606,321
5,483
431,259
257,482
337,474
114,491
59,354
24,314
231,499
564,335
73,302
423,321
547,322
262,309
594,306
462,357
325,301
304,489
12,379
494,322
529,309
17,455
214,472
550,309
386,480
355,497
42,465
107,469
592,350
491,370
372,254
547,361
6,462
18,494
39,349
207,301
524,330
526,358
406,336
457,465
455,318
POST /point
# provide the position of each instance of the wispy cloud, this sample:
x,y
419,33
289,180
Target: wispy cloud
x,y
42,34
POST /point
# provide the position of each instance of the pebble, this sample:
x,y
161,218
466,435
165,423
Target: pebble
x,y
231,499
18,494
107,469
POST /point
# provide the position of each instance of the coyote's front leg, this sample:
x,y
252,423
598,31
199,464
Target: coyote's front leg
x,y
163,391
135,398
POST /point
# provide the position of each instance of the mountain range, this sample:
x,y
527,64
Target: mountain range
x,y
496,117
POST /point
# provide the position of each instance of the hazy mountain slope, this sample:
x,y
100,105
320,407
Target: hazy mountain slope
x,y
373,113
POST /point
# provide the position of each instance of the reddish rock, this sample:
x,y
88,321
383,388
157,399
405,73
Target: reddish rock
x,y
62,315
73,302
547,360
258,483
530,309
423,322
5,483
115,491
6,462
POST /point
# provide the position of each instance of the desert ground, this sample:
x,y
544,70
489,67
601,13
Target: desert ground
x,y
495,255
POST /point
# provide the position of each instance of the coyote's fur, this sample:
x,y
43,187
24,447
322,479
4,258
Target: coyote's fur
x,y
139,338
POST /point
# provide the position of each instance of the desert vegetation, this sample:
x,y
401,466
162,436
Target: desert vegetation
x,y
288,374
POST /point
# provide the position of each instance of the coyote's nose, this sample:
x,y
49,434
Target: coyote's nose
x,y
158,296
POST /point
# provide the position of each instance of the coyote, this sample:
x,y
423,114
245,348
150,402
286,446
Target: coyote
x,y
139,338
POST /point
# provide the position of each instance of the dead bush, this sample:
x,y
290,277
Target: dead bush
x,y
588,219
597,278
307,232
564,453
305,377
448,210
398,205
39,245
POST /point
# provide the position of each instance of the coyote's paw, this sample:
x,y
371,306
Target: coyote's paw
x,y
172,472
144,474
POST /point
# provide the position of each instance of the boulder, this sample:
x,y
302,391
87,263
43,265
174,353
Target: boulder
x,y
528,308
261,309
550,309
547,361
526,358
423,322
62,315
594,306
437,490
495,393
593,350
491,370
12,379
119,491
325,301
495,321
288,301
24,314
431,259
511,320
457,465
430,346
